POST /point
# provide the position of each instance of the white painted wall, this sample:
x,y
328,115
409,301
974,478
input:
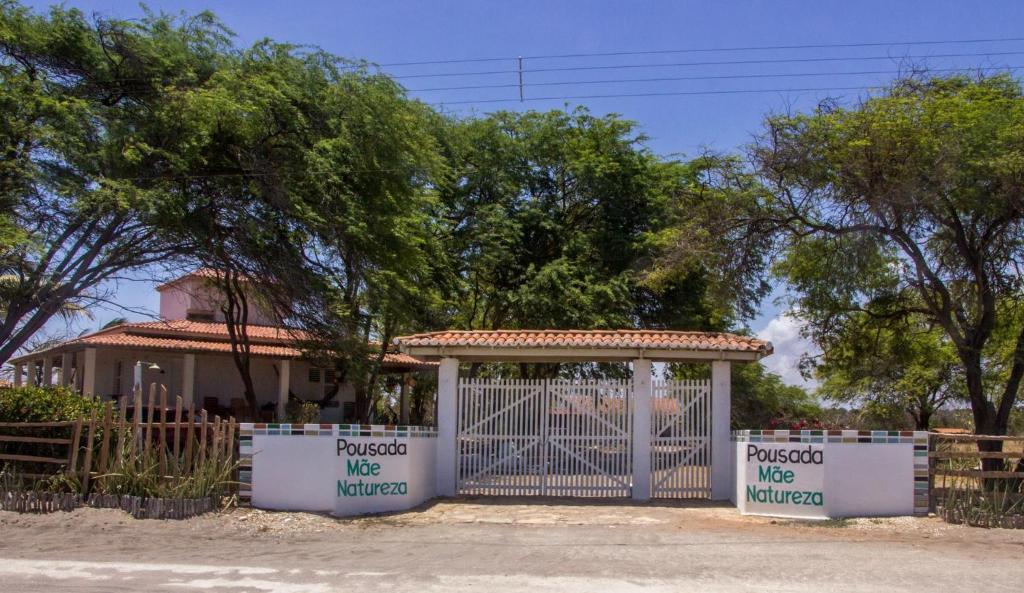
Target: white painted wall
x,y
856,479
195,294
870,480
303,472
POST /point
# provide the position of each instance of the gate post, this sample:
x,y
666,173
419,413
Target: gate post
x,y
721,449
641,429
447,447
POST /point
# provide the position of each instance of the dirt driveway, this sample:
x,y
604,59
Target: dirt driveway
x,y
498,545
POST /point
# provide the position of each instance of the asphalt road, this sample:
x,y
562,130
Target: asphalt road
x,y
701,556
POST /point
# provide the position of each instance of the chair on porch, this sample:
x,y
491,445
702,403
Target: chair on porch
x,y
213,407
240,409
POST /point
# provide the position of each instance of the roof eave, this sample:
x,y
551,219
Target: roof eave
x,y
554,354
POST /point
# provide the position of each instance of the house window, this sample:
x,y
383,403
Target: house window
x,y
315,373
349,411
199,316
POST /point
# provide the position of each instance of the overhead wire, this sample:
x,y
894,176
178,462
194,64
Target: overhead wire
x,y
709,50
708,63
691,78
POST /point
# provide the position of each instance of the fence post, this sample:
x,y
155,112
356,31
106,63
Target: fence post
x,y
148,430
76,437
137,420
122,425
721,437
163,431
202,438
447,447
108,416
87,462
641,429
177,429
188,436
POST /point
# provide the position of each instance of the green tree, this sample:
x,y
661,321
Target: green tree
x,y
761,400
91,154
909,204
892,369
369,232
553,218
906,204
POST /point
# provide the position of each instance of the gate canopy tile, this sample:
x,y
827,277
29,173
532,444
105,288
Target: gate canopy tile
x,y
583,345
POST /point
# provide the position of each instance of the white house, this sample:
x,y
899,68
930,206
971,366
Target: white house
x,y
189,352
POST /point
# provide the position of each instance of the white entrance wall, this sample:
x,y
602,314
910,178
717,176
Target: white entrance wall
x,y
343,469
831,474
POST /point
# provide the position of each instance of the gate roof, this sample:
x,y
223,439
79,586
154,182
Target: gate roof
x,y
534,345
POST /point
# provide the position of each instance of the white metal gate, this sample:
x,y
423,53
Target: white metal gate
x,y
680,439
545,437
574,438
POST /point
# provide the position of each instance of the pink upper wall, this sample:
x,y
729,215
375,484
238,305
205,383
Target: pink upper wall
x,y
192,297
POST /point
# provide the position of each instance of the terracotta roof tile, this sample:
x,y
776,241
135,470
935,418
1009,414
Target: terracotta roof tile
x,y
526,338
181,344
205,328
197,336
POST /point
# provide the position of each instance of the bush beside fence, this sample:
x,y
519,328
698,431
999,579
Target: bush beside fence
x,y
165,461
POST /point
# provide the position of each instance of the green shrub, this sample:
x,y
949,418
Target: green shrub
x,y
302,412
43,404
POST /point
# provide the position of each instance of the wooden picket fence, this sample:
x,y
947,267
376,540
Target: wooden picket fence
x,y
965,492
152,425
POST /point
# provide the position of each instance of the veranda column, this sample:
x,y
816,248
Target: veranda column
x,y
89,373
188,380
65,369
721,404
447,447
283,382
641,429
33,378
47,371
18,370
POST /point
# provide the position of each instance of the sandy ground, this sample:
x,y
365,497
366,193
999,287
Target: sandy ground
x,y
502,545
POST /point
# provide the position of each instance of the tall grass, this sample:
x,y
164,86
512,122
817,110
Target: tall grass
x,y
988,501
136,472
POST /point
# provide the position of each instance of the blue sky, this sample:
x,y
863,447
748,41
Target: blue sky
x,y
390,31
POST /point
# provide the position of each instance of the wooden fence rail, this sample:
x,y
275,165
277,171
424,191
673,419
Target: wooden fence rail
x,y
978,479
178,438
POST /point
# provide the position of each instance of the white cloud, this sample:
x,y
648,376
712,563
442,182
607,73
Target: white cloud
x,y
784,333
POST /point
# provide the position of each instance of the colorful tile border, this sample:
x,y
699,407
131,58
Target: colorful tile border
x,y
246,430
917,438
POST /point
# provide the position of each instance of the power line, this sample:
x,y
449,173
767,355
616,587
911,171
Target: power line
x,y
659,94
709,63
709,50
715,77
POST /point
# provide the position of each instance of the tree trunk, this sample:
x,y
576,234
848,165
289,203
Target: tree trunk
x,y
923,419
236,317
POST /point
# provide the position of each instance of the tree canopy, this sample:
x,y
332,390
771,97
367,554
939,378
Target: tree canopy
x,y
92,151
355,212
554,218
904,207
